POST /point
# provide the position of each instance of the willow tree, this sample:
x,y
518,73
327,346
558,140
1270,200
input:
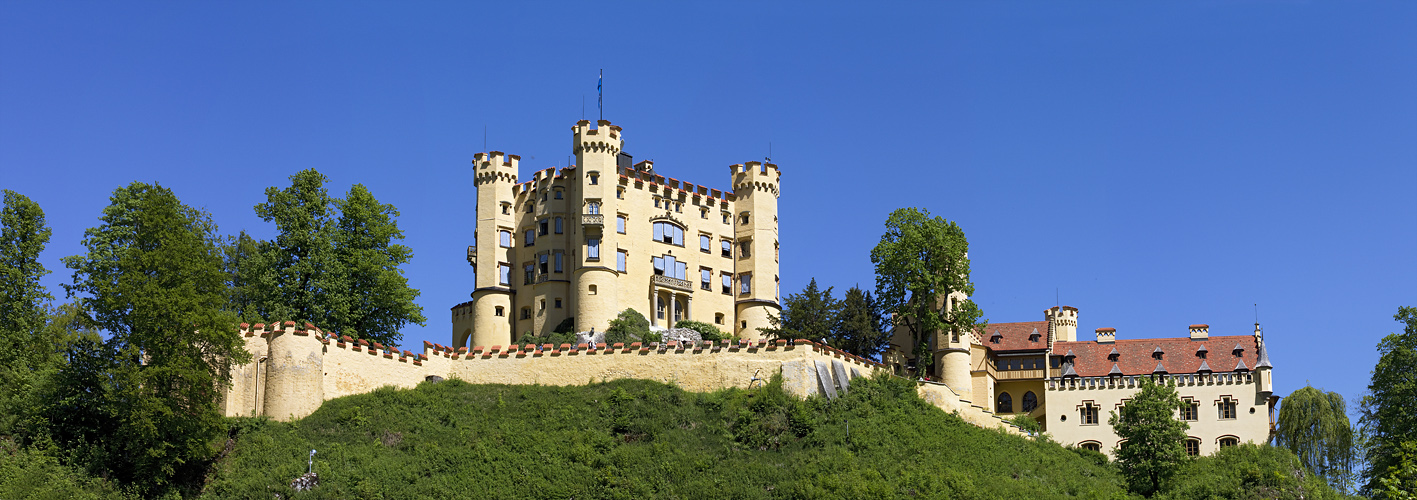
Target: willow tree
x,y
1314,425
921,262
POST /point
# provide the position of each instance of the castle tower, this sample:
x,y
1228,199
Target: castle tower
x,y
295,374
595,249
755,187
952,354
495,176
1062,324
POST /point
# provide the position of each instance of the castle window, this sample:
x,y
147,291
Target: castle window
x,y
659,307
775,251
743,219
746,282
1030,401
528,274
506,238
656,202
1005,403
526,313
1089,413
727,249
530,238
558,194
667,265
703,213
665,232
1190,410
1193,447
1092,446
500,312
543,196
543,227
558,225
530,206
544,263
706,278
620,193
727,284
718,318
592,248
591,290
678,207
1226,407
543,305
705,243
557,261
620,224
506,209
592,207
558,302
725,217
1228,441
744,249
504,273
594,179
620,258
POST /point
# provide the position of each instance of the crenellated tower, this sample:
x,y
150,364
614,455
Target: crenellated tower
x,y
495,176
596,248
755,188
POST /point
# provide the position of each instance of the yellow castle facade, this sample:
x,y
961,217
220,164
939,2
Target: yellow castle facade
x,y
585,242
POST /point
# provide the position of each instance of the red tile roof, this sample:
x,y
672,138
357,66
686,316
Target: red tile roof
x,y
1178,355
1015,336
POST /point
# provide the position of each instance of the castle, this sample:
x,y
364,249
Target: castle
x,y
585,242
1041,369
542,255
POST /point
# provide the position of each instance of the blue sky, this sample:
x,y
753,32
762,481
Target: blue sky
x,y
1154,164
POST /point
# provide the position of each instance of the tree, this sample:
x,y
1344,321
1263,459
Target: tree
x,y
1152,437
628,327
922,265
153,280
334,262
1387,410
1314,425
811,314
860,329
23,235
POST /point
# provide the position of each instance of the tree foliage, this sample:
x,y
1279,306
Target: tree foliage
x,y
861,329
706,331
1314,425
1387,410
23,234
334,262
810,314
629,326
152,278
921,262
1152,437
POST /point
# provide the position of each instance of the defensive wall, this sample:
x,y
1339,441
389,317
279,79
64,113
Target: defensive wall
x,y
295,369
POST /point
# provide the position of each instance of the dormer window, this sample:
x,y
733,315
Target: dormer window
x,y
1114,355
1157,353
1200,353
996,337
1033,337
1239,350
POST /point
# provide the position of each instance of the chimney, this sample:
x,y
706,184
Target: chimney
x,y
1200,332
1106,335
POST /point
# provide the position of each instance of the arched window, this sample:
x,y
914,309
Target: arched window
x,y
1193,447
1005,404
678,310
1092,445
659,307
666,232
1030,401
1228,441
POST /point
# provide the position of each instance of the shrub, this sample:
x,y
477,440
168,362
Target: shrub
x,y
567,325
707,331
1027,423
629,326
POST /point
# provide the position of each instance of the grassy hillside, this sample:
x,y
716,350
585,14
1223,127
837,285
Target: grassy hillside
x,y
639,439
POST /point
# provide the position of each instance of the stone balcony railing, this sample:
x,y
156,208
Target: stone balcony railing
x,y
668,282
593,219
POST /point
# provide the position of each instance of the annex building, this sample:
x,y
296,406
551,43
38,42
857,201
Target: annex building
x,y
607,234
1041,369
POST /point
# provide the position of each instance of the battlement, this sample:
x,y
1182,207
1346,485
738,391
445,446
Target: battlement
x,y
1134,381
605,138
756,176
495,166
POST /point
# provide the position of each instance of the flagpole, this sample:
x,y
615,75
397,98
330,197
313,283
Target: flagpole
x,y
600,98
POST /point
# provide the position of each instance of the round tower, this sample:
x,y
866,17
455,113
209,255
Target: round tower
x,y
952,355
491,257
755,190
295,372
597,151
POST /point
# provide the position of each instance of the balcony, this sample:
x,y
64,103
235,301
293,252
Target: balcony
x,y
593,219
668,282
1019,374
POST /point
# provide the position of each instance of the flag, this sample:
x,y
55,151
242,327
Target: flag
x,y
600,96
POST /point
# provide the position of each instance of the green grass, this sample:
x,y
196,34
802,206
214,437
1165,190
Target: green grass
x,y
640,439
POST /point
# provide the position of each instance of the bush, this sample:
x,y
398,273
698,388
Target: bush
x,y
707,331
629,326
1248,471
1027,423
567,325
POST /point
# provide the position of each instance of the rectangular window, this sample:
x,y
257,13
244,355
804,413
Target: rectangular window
x,y
544,263
1089,414
620,193
1227,409
592,207
620,224
620,259
504,273
592,249
706,278
506,238
745,282
558,225
727,249
528,275
530,238
559,255
1190,410
594,179
705,243
558,299
745,249
727,284
558,196
543,227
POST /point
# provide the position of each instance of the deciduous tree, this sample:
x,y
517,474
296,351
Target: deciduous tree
x,y
1152,437
1314,425
23,235
1387,410
920,262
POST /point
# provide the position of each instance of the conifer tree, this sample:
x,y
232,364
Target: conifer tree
x,y
810,314
860,330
